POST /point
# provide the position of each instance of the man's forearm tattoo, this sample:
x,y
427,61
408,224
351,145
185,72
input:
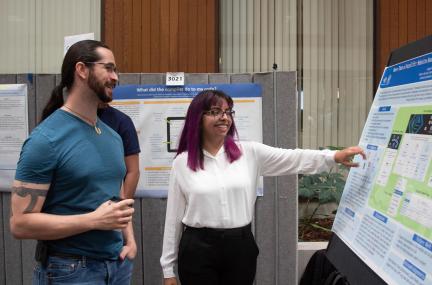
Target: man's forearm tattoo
x,y
34,194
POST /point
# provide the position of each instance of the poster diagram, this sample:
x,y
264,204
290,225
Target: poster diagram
x,y
385,214
174,128
158,113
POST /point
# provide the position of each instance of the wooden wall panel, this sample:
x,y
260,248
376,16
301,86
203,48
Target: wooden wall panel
x,y
403,22
164,31
412,25
119,40
398,23
173,32
145,36
428,13
183,40
201,35
212,54
163,35
155,35
192,32
136,29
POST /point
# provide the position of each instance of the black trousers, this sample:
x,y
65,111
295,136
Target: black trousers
x,y
217,257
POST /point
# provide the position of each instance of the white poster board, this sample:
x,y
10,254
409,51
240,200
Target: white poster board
x,y
158,113
70,40
385,215
13,129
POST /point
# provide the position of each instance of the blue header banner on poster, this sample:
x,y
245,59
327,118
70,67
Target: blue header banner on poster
x,y
420,69
188,91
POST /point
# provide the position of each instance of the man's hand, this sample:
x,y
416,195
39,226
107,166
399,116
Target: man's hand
x,y
129,250
345,156
113,215
170,281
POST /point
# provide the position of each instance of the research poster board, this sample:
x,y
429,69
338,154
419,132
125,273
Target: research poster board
x,y
13,130
158,113
385,214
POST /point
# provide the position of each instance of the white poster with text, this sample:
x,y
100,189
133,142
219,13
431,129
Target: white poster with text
x,y
13,129
158,113
385,215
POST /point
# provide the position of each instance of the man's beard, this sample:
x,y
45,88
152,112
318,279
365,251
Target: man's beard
x,y
99,88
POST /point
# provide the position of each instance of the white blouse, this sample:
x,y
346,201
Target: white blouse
x,y
223,194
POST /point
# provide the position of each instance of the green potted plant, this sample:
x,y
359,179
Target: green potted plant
x,y
314,192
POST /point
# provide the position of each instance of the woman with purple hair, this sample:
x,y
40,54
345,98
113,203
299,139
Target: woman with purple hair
x,y
212,194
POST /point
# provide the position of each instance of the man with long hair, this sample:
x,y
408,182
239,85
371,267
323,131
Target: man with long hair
x,y
66,192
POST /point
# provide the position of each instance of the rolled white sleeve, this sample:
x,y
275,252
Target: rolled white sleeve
x,y
274,161
173,226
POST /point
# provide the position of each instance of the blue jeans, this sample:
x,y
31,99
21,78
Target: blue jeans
x,y
83,271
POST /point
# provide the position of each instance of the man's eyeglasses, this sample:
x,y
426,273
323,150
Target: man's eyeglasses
x,y
218,113
110,67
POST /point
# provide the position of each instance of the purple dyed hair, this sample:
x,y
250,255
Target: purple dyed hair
x,y
191,136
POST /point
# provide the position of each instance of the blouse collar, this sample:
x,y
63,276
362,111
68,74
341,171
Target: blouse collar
x,y
220,151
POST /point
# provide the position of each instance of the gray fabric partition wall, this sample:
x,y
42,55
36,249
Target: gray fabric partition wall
x,y
275,223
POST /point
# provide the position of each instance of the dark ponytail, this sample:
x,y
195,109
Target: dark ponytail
x,y
83,51
55,102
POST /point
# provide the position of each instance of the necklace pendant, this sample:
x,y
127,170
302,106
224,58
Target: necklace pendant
x,y
98,131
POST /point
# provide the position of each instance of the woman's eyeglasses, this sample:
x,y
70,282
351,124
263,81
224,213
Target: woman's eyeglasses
x,y
218,113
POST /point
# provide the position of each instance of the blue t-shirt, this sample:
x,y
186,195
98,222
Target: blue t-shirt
x,y
85,170
123,125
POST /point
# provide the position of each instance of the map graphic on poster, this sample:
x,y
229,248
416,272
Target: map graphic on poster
x,y
385,214
158,113
403,188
